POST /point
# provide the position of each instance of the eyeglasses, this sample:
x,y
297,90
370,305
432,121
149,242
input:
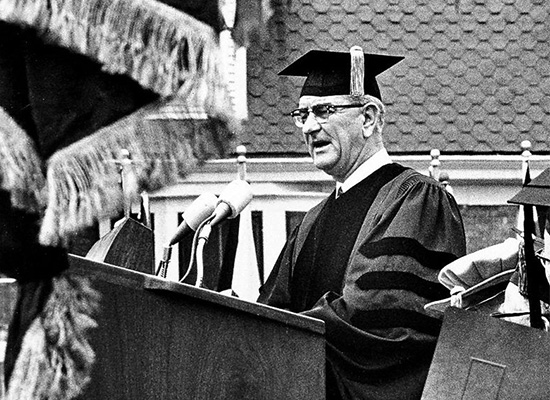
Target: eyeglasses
x,y
321,112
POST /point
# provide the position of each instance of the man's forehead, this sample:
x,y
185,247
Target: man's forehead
x,y
308,101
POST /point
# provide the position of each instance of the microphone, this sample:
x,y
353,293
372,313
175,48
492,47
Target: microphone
x,y
194,215
199,210
233,199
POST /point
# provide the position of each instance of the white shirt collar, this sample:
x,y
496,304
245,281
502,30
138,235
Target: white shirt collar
x,y
379,159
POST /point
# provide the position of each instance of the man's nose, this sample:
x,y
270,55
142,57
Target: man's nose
x,y
311,125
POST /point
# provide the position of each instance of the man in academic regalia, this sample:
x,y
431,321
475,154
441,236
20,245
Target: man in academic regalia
x,y
365,260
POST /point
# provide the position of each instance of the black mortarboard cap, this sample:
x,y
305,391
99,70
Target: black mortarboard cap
x,y
536,192
340,73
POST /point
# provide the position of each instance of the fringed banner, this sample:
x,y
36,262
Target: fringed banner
x,y
56,358
20,166
163,49
83,179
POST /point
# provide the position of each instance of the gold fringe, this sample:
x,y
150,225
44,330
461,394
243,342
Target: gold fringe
x,y
163,49
20,166
56,359
83,179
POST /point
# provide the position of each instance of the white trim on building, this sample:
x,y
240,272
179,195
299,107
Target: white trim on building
x,y
281,185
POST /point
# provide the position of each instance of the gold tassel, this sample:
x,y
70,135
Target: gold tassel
x,y
56,359
163,49
20,166
83,178
357,77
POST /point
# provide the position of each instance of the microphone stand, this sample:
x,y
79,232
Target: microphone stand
x,y
199,239
201,242
163,265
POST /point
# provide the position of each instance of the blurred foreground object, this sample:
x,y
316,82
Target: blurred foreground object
x,y
79,82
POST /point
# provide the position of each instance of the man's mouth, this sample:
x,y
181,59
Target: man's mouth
x,y
317,144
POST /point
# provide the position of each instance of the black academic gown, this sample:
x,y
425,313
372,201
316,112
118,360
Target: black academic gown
x,y
367,271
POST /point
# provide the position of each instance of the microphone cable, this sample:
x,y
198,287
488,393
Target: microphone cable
x,y
194,246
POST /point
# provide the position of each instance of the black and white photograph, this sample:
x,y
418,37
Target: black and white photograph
x,y
274,199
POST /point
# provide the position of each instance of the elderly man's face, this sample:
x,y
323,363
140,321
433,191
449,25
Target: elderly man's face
x,y
335,144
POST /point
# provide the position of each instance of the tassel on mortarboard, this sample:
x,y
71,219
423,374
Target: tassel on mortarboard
x,y
357,77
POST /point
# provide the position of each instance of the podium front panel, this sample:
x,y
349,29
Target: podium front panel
x,y
164,340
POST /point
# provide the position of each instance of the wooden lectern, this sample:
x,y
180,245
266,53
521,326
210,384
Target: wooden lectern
x,y
479,357
163,340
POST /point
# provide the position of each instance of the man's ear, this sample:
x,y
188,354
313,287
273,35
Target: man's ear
x,y
371,113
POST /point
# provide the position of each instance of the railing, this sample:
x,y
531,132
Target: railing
x,y
285,187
